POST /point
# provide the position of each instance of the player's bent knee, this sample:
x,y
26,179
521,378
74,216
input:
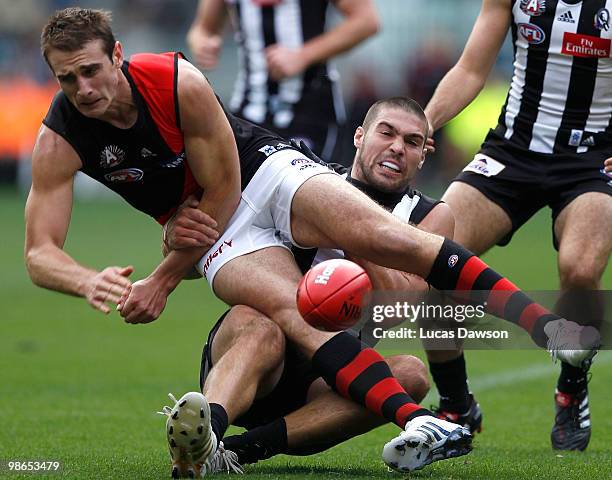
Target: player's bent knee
x,y
580,274
411,373
255,332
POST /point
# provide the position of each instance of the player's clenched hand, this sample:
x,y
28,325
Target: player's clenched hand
x,y
205,48
608,165
190,227
144,302
108,286
284,62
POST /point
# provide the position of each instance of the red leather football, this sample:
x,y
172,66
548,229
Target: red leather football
x,y
331,293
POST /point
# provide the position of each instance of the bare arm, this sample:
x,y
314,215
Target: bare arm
x,y
360,22
213,158
466,79
205,35
47,217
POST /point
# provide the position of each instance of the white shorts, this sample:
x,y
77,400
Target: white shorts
x,y
263,218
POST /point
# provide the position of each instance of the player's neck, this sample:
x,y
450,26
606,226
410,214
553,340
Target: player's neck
x,y
123,111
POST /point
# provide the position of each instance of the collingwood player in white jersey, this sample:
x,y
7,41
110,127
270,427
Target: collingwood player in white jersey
x,y
286,81
548,149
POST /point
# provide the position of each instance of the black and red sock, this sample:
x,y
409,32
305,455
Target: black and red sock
x,y
358,372
456,268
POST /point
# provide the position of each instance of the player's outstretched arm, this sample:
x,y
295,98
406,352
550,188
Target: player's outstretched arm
x,y
47,217
465,80
205,35
360,22
213,158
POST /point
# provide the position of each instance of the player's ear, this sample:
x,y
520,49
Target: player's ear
x,y
117,56
422,161
358,137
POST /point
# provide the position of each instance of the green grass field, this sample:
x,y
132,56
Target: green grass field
x,y
82,388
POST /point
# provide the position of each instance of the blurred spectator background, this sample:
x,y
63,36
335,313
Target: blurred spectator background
x,y
419,41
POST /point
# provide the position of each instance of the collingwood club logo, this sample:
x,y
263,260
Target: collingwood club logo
x,y
111,156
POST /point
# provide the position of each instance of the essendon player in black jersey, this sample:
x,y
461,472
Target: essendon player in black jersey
x,y
548,149
286,80
288,199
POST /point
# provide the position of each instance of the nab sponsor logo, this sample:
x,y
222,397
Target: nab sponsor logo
x,y
111,156
533,7
532,33
585,46
219,251
126,175
452,260
300,161
324,276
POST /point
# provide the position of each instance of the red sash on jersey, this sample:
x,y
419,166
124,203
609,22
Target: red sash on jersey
x,y
156,77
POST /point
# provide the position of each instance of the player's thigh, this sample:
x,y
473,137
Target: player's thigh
x,y
479,222
582,230
326,211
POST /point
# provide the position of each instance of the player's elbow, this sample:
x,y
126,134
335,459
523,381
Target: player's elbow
x,y
369,23
33,261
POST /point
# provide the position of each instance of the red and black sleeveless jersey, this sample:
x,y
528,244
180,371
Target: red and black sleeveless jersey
x,y
146,163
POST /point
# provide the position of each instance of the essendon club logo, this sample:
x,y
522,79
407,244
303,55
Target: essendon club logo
x,y
578,45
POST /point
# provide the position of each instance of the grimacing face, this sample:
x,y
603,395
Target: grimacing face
x,y
391,151
88,77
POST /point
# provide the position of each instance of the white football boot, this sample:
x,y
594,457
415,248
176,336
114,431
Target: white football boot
x,y
191,440
426,439
572,343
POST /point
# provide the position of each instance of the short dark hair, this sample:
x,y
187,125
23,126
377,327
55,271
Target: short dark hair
x,y
70,29
403,103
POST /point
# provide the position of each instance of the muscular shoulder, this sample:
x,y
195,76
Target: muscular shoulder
x,y
53,158
195,95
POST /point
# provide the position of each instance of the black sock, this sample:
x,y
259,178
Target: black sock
x,y
451,380
259,443
218,420
572,379
361,374
456,268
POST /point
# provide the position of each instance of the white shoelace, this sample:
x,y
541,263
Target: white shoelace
x,y
224,461
166,410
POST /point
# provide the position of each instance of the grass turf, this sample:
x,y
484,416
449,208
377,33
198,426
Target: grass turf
x,y
82,388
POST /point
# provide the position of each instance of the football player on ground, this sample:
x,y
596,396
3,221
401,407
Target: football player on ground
x,y
547,150
301,415
152,129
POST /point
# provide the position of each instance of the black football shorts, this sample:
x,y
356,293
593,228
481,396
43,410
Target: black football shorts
x,y
522,182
